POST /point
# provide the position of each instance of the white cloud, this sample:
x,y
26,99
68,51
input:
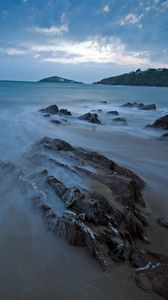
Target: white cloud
x,y
53,30
98,50
131,19
106,8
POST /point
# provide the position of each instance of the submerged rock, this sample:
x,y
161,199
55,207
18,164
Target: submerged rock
x,y
140,106
93,118
56,122
113,112
120,120
164,135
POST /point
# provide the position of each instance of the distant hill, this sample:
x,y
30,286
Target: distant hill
x,y
58,79
150,77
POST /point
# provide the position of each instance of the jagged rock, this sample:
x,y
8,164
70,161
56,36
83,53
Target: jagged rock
x,y
161,123
52,109
162,222
93,118
56,144
113,112
140,106
66,112
120,120
151,272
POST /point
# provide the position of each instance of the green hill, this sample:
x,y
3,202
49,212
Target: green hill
x,y
57,79
150,77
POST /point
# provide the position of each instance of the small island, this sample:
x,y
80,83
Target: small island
x,y
57,79
149,77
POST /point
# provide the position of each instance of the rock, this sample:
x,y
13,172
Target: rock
x,y
161,123
99,110
56,144
149,107
46,115
164,135
140,106
162,222
56,122
93,118
151,272
121,120
52,109
113,112
66,112
128,104
103,102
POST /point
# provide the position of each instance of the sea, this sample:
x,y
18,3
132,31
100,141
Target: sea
x,y
34,263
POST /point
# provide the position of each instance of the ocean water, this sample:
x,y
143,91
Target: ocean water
x,y
34,264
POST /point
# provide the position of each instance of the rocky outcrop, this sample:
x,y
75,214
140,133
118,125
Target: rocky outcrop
x,y
151,272
90,117
140,106
164,136
114,222
161,123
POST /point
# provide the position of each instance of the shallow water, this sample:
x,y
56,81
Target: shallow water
x,y
34,264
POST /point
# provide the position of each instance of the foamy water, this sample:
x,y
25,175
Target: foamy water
x,y
34,264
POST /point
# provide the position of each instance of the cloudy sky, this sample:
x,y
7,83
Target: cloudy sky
x,y
82,40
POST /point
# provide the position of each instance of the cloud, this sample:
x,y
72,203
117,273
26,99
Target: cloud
x,y
53,30
131,19
106,8
97,50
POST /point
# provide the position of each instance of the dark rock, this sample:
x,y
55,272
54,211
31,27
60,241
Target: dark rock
x,y
93,118
52,109
128,104
56,122
103,102
66,112
151,272
164,135
46,115
161,123
162,222
56,144
140,106
113,112
120,120
99,110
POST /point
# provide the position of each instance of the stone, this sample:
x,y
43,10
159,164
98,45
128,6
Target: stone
x,y
161,123
52,109
65,112
90,117
113,112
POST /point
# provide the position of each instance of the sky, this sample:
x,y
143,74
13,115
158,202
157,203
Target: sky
x,y
81,40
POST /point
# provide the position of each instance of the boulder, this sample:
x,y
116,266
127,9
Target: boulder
x,y
52,109
93,118
161,123
56,122
164,135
